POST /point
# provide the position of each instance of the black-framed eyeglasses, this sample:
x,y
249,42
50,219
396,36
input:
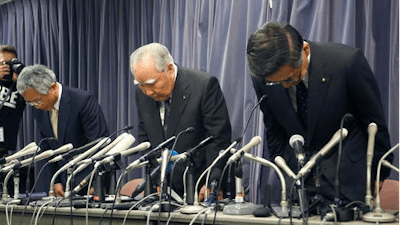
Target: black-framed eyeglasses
x,y
36,102
288,80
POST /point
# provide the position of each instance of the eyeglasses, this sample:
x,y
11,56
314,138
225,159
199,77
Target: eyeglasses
x,y
36,102
288,80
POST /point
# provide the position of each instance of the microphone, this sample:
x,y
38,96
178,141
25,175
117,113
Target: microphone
x,y
75,160
296,142
153,174
378,214
279,161
214,177
191,151
140,147
156,149
253,142
389,165
27,150
122,142
76,151
315,158
189,129
372,129
164,164
41,156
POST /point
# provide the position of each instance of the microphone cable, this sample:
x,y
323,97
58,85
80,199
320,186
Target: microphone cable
x,y
30,193
239,142
27,183
339,160
189,129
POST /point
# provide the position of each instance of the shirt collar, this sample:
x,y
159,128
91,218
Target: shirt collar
x,y
57,104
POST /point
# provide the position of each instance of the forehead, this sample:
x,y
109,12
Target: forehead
x,y
6,56
145,69
31,94
284,72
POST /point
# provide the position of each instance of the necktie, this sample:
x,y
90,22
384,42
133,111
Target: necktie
x,y
302,100
167,108
54,121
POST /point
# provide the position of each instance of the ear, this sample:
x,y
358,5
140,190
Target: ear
x,y
306,48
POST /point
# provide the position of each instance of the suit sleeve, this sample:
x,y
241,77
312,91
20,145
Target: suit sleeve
x,y
93,121
366,98
142,134
216,121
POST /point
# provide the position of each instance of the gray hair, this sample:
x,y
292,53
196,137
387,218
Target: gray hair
x,y
159,53
38,77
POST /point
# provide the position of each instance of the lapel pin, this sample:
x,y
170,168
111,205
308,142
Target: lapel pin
x,y
323,80
184,97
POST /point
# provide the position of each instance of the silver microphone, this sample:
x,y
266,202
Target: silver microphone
x,y
253,142
296,142
372,129
279,161
311,163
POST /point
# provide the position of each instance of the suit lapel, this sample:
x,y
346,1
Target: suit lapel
x,y
317,87
63,113
180,98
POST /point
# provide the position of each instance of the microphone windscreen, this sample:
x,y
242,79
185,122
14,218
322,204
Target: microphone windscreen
x,y
262,212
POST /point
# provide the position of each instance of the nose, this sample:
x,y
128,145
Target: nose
x,y
147,91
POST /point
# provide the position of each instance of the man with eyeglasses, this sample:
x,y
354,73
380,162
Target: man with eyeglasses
x,y
69,114
171,99
310,87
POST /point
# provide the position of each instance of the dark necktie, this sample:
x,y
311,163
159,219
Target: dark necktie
x,y
302,99
167,108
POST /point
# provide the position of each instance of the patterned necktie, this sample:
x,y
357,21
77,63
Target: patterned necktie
x,y
54,121
302,100
167,108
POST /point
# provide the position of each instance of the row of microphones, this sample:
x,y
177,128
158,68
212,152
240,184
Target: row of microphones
x,y
44,155
140,147
121,143
27,150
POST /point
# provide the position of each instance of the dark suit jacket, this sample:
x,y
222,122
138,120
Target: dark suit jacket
x,y
340,82
80,120
198,102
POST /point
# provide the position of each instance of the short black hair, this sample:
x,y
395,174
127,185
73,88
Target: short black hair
x,y
9,48
272,46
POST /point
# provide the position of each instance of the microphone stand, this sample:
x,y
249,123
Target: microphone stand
x,y
378,214
239,206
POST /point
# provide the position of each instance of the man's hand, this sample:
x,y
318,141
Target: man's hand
x,y
59,190
203,192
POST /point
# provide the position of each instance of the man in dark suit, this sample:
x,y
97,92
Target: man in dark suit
x,y
69,114
195,100
337,80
